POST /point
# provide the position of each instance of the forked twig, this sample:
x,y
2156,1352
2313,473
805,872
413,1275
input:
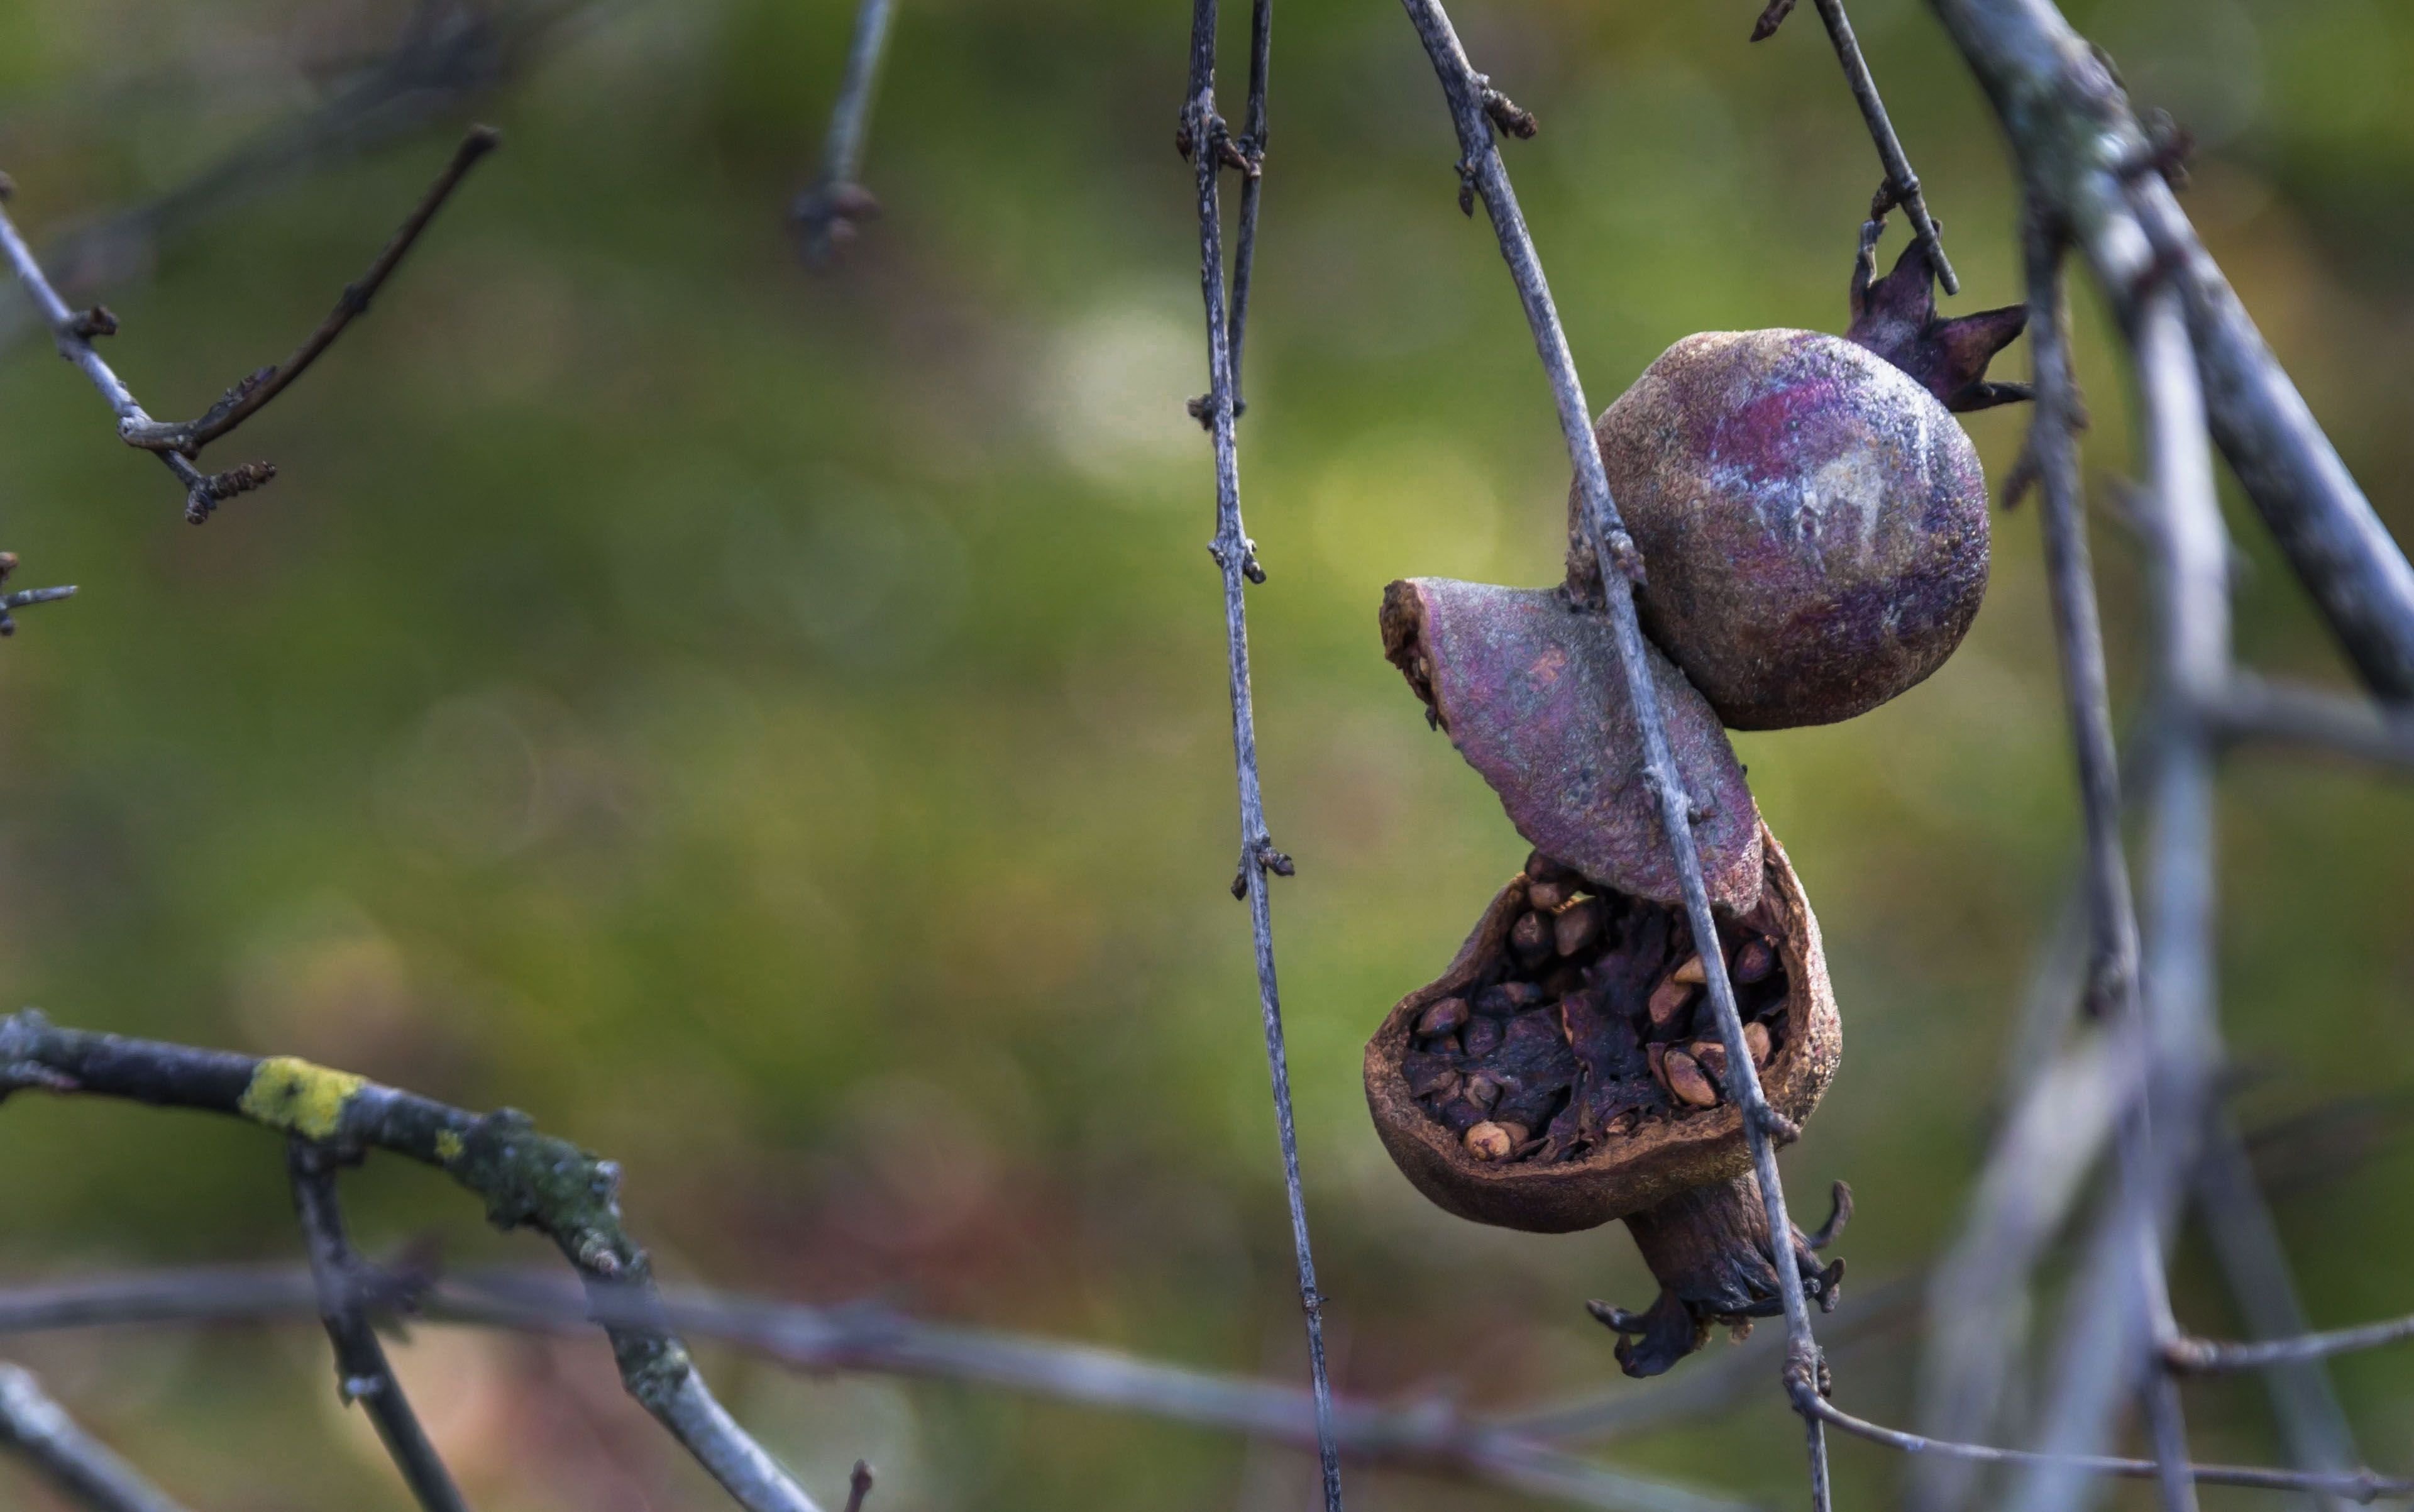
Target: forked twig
x,y
84,1469
250,396
1429,1434
177,444
1204,140
1482,174
523,1178
361,1374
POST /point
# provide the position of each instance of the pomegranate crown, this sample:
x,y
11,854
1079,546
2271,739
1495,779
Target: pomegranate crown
x,y
1895,318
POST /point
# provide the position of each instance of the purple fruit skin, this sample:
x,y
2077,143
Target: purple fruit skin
x,y
1529,689
1813,523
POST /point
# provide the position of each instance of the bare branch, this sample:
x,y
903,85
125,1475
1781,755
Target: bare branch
x,y
2362,1485
1430,1434
252,394
1482,173
175,445
84,1470
523,1178
2118,1316
1203,138
24,596
826,214
361,1374
2088,163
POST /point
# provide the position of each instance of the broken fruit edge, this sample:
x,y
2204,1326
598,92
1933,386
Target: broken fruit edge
x,y
1639,1171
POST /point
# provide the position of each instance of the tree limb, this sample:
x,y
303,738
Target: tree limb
x,y
523,1178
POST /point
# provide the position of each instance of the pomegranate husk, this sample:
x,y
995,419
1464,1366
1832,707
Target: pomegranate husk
x,y
1528,688
1667,1154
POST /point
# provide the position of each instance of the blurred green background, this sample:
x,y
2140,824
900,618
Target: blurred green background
x,y
772,726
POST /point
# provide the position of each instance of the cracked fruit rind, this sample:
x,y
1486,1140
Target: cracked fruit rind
x,y
1664,1155
1529,689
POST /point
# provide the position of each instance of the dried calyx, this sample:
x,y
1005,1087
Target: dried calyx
x,y
1568,1070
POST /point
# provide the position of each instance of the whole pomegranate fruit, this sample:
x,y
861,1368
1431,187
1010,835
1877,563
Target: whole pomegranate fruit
x,y
1812,518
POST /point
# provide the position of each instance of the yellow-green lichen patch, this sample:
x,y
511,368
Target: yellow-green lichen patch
x,y
296,1094
448,1146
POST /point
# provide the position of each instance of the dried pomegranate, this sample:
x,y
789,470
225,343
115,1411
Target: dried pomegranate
x,y
1567,1070
1812,518
1529,689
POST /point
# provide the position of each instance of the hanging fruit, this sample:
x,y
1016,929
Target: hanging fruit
x,y
1812,520
1566,1071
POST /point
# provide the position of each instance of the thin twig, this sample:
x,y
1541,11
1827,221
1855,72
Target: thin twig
x,y
1431,1434
361,1374
1251,145
826,213
2364,1486
1902,184
1482,173
2206,1356
176,444
2078,638
523,1178
84,1470
247,397
1203,138
23,597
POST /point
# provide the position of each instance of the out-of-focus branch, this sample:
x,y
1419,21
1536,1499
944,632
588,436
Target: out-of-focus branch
x,y
826,213
1475,107
523,1178
2117,1317
1203,138
2267,712
2206,1356
1431,1435
2362,1485
176,444
361,1374
449,55
84,1470
2087,162
2246,1242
